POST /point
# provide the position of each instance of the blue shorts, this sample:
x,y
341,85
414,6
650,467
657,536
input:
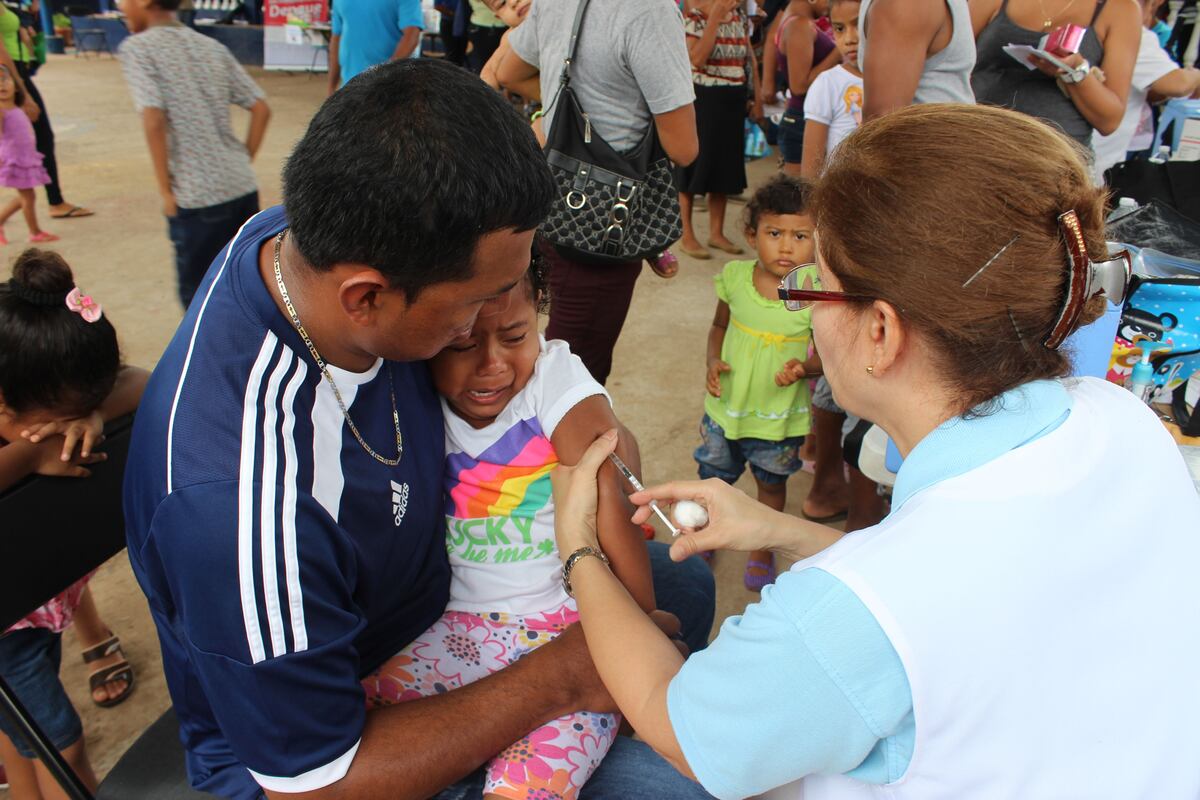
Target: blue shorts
x,y
770,462
791,137
29,662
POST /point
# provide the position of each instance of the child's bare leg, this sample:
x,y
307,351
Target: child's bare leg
x,y
22,779
77,759
9,208
867,508
90,630
829,495
29,209
773,496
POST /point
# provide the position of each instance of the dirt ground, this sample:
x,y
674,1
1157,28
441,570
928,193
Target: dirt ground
x,y
123,258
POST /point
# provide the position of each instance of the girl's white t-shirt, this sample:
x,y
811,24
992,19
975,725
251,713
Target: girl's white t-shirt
x,y
499,507
835,99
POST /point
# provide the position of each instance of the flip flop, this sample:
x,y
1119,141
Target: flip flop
x,y
700,253
730,248
755,583
43,236
666,265
121,671
74,212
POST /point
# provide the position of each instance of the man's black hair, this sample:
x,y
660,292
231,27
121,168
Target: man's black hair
x,y
168,5
404,169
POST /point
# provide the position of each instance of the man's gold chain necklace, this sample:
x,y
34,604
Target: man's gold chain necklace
x,y
287,302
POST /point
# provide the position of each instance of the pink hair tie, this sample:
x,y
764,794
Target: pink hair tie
x,y
84,305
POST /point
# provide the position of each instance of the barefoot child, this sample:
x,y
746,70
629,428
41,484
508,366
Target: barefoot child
x,y
20,162
514,406
757,410
61,379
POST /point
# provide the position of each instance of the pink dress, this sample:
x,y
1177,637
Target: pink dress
x,y
20,162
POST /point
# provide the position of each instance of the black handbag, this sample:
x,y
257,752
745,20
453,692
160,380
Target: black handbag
x,y
1174,183
611,207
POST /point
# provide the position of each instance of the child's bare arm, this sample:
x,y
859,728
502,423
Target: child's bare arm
x,y
716,339
621,540
154,124
21,459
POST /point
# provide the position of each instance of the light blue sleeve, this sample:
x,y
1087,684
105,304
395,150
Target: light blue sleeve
x,y
804,682
409,15
335,18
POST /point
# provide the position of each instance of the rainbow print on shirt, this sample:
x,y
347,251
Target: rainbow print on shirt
x,y
509,479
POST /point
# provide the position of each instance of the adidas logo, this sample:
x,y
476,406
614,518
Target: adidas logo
x,y
399,501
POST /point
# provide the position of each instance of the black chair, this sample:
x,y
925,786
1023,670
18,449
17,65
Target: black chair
x,y
45,565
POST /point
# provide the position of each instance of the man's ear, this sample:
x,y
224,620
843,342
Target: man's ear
x,y
362,293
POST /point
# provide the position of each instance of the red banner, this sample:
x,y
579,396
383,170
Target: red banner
x,y
278,12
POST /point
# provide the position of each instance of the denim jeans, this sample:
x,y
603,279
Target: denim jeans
x,y
199,235
29,661
631,769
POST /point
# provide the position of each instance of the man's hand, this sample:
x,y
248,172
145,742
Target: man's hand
x,y
170,206
792,371
715,367
84,431
570,654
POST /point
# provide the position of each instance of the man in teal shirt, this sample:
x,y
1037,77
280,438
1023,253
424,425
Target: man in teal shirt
x,y
370,32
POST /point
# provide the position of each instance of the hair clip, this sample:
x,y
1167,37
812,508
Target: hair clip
x,y
1087,279
84,305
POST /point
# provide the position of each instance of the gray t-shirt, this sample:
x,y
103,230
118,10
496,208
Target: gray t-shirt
x,y
194,80
631,62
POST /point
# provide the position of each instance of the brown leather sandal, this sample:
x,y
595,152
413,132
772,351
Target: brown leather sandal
x,y
121,671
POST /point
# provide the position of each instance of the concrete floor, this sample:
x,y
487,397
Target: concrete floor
x,y
122,257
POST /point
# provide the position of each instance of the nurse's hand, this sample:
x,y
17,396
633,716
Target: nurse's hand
x,y
575,497
735,522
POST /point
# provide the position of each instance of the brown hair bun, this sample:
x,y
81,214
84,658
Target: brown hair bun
x,y
915,203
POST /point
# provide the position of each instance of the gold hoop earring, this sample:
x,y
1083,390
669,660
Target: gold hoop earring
x,y
870,370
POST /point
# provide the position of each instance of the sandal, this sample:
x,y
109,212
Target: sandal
x,y
755,583
825,520
699,253
74,212
730,248
666,265
43,236
121,671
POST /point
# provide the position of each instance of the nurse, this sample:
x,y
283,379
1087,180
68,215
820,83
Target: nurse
x,y
1023,622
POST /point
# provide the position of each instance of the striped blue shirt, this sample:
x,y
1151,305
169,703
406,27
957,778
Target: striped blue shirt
x,y
280,560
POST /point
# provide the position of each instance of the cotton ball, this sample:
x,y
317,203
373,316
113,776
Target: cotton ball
x,y
690,514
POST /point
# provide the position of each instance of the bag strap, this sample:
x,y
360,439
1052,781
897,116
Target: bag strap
x,y
573,44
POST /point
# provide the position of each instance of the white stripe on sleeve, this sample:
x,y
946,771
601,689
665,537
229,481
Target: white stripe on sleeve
x,y
312,780
267,514
246,518
290,558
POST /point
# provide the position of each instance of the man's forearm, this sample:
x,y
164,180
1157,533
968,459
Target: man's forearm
x,y
154,123
416,749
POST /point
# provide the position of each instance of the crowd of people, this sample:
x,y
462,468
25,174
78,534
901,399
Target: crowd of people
x,y
371,572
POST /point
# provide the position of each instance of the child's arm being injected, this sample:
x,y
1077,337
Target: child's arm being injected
x,y
716,340
620,539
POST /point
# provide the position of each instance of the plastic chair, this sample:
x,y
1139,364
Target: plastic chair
x,y
154,766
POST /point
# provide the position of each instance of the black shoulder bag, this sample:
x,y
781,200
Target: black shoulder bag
x,y
611,207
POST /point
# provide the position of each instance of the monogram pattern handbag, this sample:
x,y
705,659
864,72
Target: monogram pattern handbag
x,y
611,207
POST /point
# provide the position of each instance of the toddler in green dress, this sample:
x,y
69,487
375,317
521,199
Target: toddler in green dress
x,y
757,408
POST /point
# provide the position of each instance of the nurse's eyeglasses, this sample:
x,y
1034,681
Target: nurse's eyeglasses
x,y
797,290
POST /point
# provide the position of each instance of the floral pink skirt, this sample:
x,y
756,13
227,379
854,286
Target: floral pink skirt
x,y
550,763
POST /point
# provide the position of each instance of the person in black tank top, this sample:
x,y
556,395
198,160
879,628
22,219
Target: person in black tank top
x,y
1089,97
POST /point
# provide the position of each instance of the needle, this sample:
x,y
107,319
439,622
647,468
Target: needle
x,y
637,485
